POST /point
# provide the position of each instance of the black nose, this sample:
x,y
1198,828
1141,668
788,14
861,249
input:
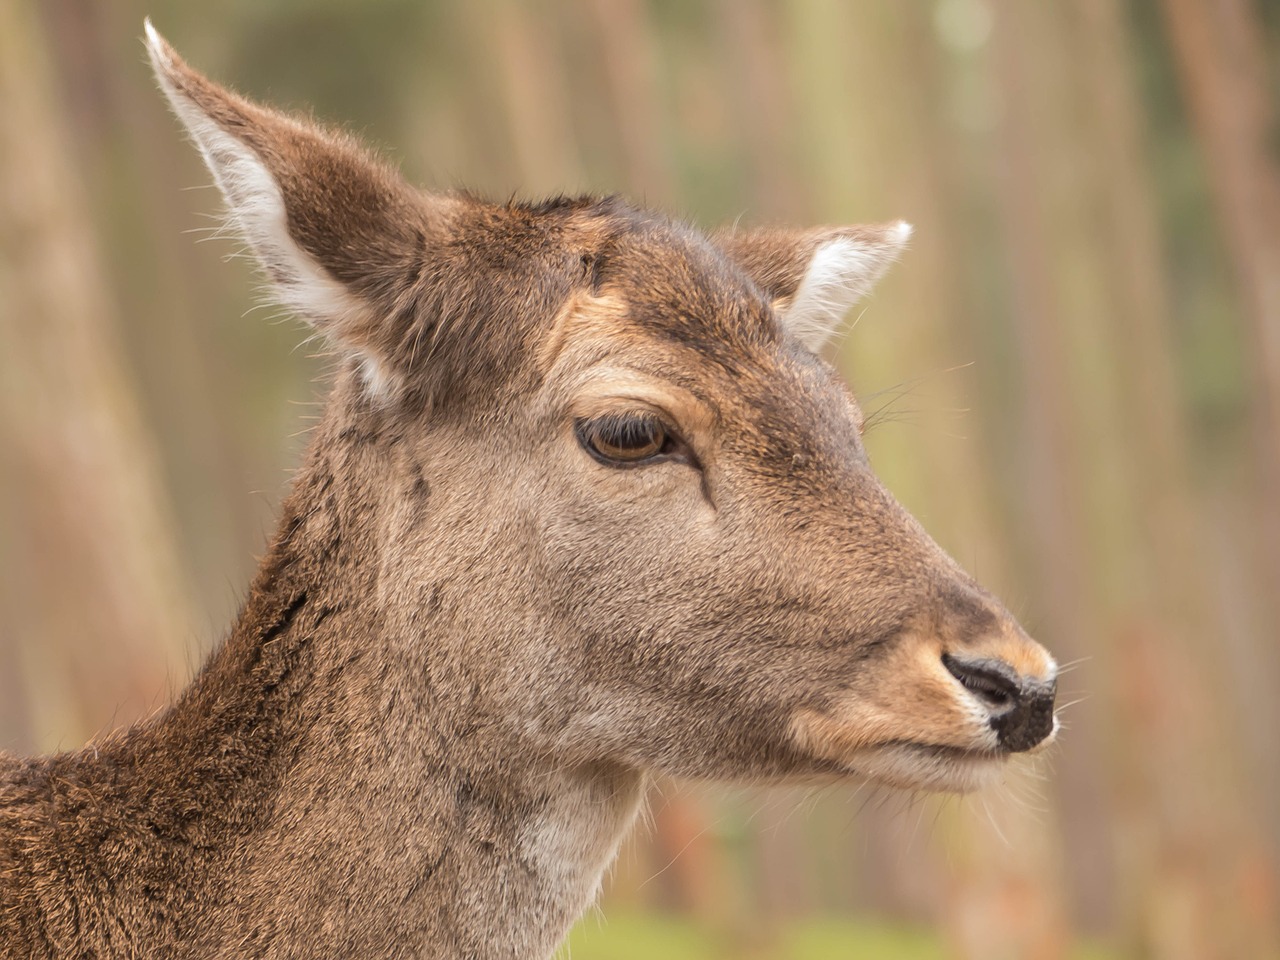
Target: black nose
x,y
1021,708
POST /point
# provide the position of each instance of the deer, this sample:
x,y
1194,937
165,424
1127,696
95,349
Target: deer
x,y
585,506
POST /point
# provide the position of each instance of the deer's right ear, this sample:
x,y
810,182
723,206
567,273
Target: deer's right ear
x,y
343,239
814,276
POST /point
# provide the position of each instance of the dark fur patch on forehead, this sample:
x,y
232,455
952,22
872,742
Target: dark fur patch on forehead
x,y
681,287
469,331
527,258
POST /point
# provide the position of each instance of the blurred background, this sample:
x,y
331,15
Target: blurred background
x,y
1073,379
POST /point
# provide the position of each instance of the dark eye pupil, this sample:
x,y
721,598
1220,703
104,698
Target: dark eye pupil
x,y
623,439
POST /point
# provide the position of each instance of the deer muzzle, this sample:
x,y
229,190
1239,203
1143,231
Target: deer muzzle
x,y
1021,706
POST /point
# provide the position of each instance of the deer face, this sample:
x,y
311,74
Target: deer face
x,y
745,596
654,532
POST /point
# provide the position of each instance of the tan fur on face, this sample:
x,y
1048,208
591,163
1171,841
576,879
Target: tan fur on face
x,y
907,718
905,696
1010,645
584,316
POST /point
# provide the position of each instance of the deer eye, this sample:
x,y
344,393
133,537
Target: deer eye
x,y
625,440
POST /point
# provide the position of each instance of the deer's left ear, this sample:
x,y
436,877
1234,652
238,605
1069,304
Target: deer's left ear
x,y
814,276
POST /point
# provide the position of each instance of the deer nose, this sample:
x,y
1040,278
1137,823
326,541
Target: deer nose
x,y
1021,707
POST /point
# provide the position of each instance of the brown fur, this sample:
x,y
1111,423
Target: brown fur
x,y
470,642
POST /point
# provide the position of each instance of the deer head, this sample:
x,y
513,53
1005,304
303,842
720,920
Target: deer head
x,y
605,493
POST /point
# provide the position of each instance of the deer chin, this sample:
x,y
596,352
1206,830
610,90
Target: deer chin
x,y
904,761
920,766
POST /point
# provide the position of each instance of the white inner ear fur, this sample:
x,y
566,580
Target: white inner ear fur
x,y
255,209
842,271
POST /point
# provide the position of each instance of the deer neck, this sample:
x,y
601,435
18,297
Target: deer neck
x,y
347,792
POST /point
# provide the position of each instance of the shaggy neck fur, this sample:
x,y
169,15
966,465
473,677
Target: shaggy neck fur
x,y
323,788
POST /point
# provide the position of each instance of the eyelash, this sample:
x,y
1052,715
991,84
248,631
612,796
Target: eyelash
x,y
628,440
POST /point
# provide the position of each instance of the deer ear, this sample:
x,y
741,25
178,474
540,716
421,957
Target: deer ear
x,y
815,276
341,236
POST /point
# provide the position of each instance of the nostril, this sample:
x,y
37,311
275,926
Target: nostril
x,y
1021,708
1031,721
991,681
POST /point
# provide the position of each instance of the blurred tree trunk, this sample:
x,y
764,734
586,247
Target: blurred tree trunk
x,y
1218,754
761,101
534,88
1223,68
95,603
1116,548
624,34
1222,63
172,296
1052,507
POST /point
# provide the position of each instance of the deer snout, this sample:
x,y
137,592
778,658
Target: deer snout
x,y
1020,706
1007,673
956,693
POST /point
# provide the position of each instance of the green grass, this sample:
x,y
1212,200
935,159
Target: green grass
x,y
633,937
645,937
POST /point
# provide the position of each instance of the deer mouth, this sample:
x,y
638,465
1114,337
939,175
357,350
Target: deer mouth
x,y
928,766
946,768
908,762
